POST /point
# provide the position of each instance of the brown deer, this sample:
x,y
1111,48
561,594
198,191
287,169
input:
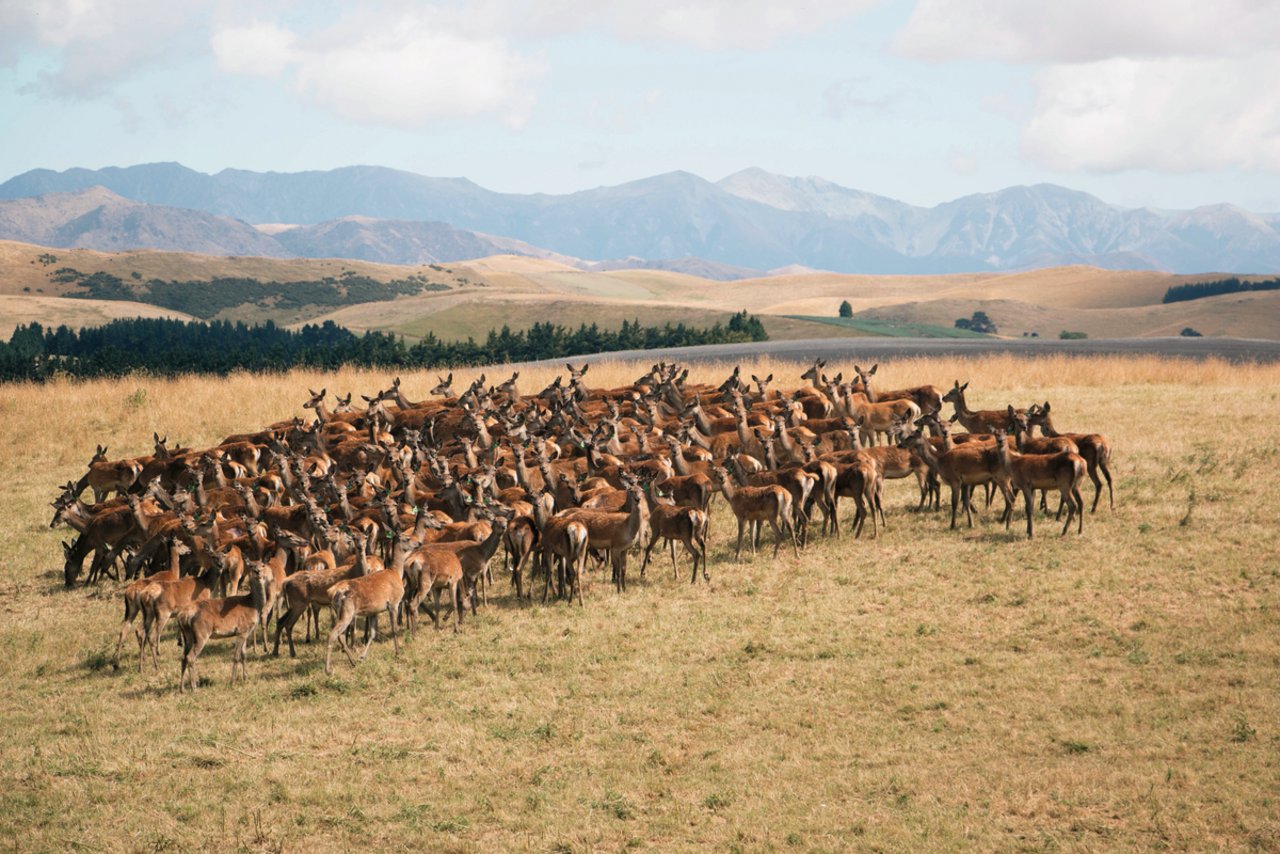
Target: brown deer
x,y
160,600
231,617
133,604
981,421
106,476
1029,472
309,588
435,571
673,523
563,540
925,396
876,418
752,505
1094,447
366,596
616,533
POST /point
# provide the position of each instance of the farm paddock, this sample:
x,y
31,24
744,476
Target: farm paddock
x,y
926,689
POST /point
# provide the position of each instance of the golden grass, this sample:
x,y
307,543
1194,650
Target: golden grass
x,y
1111,303
929,690
75,313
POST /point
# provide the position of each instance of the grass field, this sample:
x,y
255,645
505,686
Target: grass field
x,y
487,292
929,690
892,329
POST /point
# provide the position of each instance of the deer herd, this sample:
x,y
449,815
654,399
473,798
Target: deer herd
x,y
400,506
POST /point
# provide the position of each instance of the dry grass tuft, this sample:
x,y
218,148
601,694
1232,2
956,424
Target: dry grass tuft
x,y
929,690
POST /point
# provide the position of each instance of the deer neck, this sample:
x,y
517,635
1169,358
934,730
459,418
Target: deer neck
x,y
1046,427
678,462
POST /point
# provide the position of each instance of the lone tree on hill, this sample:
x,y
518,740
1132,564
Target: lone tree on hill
x,y
978,323
846,310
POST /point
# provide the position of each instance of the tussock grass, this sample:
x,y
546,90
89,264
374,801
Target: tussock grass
x,y
928,690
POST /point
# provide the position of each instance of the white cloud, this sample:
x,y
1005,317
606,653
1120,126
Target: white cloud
x,y
1087,30
96,42
1179,86
263,49
403,69
1167,115
703,24
724,24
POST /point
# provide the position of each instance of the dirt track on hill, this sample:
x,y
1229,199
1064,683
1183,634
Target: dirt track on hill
x,y
844,349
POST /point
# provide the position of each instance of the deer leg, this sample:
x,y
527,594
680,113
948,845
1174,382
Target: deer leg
x,y
777,536
644,563
675,573
391,616
371,626
238,657
197,646
157,629
1028,496
130,614
738,551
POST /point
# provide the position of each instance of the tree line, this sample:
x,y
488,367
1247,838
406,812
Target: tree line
x,y
206,299
1200,290
166,347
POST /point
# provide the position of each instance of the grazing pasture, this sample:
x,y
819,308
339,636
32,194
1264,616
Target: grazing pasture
x,y
926,689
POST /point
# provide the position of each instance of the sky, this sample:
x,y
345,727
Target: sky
x,y
1169,105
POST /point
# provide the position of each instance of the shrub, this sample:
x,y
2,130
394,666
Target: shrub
x,y
1072,336
846,310
1188,332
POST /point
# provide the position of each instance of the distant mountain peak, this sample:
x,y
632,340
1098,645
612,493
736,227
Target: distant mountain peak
x,y
750,220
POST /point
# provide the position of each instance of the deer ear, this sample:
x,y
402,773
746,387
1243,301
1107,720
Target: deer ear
x,y
769,378
1046,406
1011,412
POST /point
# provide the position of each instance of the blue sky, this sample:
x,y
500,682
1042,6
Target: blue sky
x,y
1169,105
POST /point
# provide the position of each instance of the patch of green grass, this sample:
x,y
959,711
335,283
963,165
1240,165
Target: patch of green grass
x,y
890,329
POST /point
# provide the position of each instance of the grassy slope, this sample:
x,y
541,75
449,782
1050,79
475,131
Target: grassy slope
x,y
457,316
1100,302
893,328
928,690
74,313
1246,315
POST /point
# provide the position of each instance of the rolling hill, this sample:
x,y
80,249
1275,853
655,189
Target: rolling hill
x,y
468,298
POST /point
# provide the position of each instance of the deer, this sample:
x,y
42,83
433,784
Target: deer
x,y
133,604
896,462
962,467
925,396
366,596
435,571
1094,447
671,522
1028,472
106,476
752,505
308,588
616,532
875,418
859,479
230,617
160,600
795,480
564,540
981,421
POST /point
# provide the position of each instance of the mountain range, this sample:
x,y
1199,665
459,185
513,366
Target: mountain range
x,y
750,221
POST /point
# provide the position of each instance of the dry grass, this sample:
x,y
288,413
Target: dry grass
x,y
507,288
929,690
